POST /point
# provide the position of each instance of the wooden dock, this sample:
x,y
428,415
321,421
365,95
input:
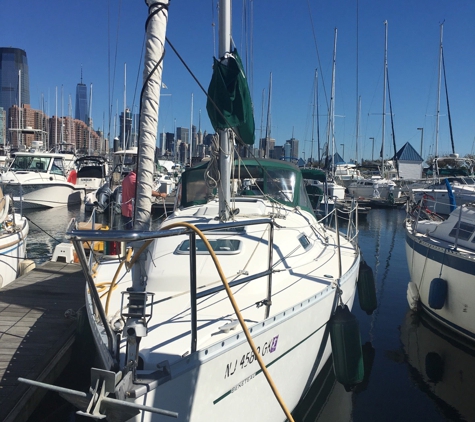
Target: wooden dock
x,y
37,330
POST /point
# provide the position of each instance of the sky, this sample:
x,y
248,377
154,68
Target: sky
x,y
282,44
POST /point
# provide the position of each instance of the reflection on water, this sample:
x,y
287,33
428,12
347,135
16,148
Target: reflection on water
x,y
48,228
326,400
441,364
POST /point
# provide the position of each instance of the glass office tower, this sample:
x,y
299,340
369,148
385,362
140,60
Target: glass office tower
x,y
81,103
12,60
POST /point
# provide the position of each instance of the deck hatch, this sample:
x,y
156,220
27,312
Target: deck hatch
x,y
220,247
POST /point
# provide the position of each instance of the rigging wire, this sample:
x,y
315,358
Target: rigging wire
x,y
111,90
318,54
448,106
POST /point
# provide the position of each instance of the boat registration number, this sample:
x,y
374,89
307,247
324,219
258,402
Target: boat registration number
x,y
249,357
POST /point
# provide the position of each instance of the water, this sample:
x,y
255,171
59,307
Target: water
x,y
416,371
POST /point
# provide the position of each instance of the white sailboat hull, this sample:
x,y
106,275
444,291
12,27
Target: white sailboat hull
x,y
12,250
438,200
428,261
221,380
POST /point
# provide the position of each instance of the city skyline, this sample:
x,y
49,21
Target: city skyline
x,y
290,48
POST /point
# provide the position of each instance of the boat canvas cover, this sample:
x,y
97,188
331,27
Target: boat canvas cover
x,y
229,102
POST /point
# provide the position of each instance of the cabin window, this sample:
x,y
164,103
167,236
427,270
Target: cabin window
x,y
39,164
57,167
21,163
465,231
220,247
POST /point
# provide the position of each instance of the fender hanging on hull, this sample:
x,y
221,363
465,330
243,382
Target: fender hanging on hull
x,y
346,347
367,289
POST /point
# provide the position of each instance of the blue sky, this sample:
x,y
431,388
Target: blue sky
x,y
290,40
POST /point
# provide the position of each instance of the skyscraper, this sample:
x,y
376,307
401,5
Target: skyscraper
x,y
12,61
80,112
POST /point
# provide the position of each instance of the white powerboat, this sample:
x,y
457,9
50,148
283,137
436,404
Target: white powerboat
x,y
90,172
345,174
441,259
40,180
374,188
14,230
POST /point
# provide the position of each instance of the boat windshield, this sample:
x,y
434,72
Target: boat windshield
x,y
30,163
279,182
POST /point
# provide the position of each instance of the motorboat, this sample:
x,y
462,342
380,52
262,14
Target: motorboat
x,y
90,172
346,173
376,187
40,180
441,259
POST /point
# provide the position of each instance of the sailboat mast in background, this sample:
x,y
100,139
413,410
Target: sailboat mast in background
x,y
384,93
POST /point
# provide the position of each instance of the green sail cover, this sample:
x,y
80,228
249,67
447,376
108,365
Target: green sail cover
x,y
229,91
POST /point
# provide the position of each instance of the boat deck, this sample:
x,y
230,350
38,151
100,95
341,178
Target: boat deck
x,y
36,333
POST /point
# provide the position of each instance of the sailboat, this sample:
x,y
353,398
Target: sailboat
x,y
14,230
452,181
378,187
229,303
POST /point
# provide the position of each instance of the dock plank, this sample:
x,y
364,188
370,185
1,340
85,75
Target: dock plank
x,y
35,332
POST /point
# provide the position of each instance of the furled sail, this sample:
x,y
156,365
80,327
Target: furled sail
x,y
229,102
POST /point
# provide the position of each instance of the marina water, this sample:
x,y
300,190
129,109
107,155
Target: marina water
x,y
414,369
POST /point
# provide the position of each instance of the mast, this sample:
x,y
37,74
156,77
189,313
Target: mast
x,y
313,113
318,128
191,132
268,123
89,125
62,114
438,94
125,102
149,106
262,123
20,125
56,123
224,150
358,116
332,106
384,93
70,120
358,97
